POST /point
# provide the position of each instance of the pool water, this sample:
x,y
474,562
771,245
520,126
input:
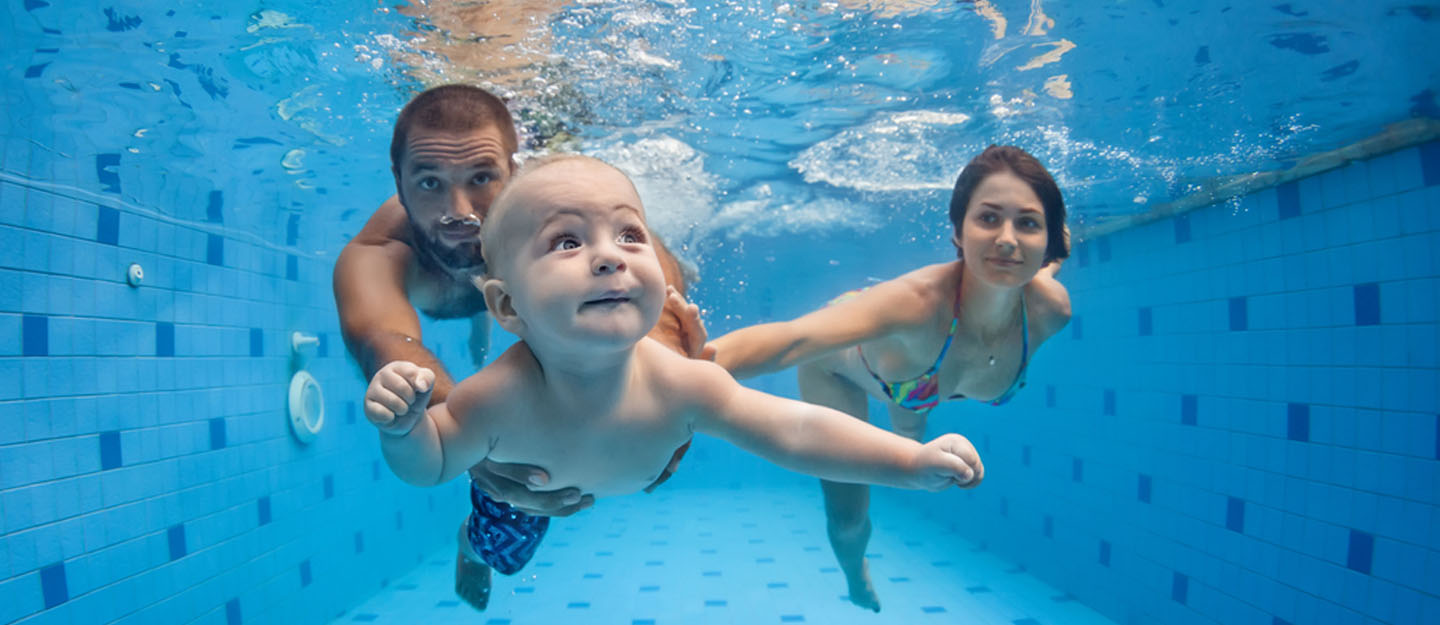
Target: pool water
x,y
1239,425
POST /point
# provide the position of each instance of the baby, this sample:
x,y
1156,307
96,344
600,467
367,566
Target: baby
x,y
585,394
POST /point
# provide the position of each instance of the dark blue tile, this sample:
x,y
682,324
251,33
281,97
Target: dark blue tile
x,y
1025,455
214,213
593,576
1076,328
350,412
164,338
1104,553
1437,437
1050,396
1102,249
1362,551
1239,317
35,71
107,226
110,450
1109,406
1430,163
1189,409
217,433
304,573
1179,587
1287,198
792,618
257,342
1145,321
710,573
214,249
1279,621
1297,426
1004,506
499,621
365,618
1182,229
176,536
649,589
447,603
975,590
399,520
232,612
1026,621
52,585
1048,526
1143,492
524,590
643,621
328,486
777,585
716,603
107,171
375,470
578,605
323,348
1077,470
34,335
292,267
766,560
1367,304
932,609
292,229
899,580
263,505
1235,514
359,542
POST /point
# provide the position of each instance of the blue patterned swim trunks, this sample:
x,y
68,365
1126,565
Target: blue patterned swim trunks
x,y
503,537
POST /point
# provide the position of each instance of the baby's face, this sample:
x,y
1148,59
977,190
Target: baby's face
x,y
578,263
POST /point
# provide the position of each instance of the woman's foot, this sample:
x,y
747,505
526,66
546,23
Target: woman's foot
x,y
862,592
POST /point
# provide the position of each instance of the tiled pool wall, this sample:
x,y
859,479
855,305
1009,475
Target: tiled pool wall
x,y
147,469
1239,426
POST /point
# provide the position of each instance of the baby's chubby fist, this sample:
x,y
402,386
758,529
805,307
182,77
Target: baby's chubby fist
x,y
397,396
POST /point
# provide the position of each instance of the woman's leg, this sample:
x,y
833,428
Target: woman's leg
x,y
847,506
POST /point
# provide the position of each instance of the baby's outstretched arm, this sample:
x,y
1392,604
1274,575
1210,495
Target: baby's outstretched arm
x,y
421,446
830,444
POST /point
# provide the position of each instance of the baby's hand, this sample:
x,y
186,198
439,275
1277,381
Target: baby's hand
x,y
949,460
398,396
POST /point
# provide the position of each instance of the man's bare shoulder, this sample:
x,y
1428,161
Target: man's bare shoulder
x,y
388,226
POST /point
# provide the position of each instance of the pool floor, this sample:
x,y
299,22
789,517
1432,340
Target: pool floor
x,y
701,555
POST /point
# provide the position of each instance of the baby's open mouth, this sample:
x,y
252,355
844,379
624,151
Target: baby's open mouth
x,y
607,301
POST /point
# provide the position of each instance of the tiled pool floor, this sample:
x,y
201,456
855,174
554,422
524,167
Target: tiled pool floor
x,y
725,556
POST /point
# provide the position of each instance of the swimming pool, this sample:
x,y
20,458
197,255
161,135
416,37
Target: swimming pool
x,y
1239,425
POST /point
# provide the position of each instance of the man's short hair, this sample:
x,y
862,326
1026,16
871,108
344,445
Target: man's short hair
x,y
456,108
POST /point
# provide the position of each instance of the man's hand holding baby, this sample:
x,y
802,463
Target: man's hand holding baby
x,y
397,397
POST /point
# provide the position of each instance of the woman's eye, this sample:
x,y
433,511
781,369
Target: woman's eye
x,y
1029,224
987,218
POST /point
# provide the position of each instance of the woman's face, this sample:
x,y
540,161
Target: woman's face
x,y
1003,235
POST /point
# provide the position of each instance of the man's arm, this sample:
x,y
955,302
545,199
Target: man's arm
x,y
377,321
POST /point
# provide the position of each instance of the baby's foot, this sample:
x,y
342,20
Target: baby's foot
x,y
472,577
862,592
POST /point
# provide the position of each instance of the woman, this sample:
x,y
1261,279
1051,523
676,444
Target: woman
x,y
964,329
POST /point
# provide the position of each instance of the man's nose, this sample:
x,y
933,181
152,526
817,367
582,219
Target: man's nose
x,y
460,207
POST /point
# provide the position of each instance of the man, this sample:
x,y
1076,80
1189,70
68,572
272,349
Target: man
x,y
452,152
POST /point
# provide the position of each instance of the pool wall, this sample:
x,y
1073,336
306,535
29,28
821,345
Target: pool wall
x,y
1239,425
147,469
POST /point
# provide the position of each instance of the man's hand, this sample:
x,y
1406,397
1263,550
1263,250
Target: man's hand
x,y
511,483
949,460
397,397
692,330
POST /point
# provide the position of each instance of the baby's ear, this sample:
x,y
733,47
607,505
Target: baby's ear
x,y
499,303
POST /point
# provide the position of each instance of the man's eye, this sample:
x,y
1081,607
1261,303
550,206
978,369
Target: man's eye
x,y
428,184
482,179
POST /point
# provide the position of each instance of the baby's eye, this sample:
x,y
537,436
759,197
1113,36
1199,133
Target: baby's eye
x,y
632,235
563,243
428,183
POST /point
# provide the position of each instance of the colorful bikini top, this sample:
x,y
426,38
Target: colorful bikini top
x,y
922,393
